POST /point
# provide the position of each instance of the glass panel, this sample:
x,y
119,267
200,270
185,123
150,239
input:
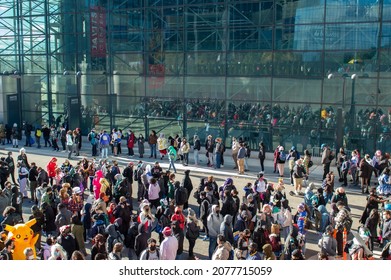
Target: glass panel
x,y
203,129
304,64
383,133
384,92
258,89
353,11
307,11
205,87
128,63
308,37
351,36
296,90
250,38
295,125
249,64
206,63
251,14
161,86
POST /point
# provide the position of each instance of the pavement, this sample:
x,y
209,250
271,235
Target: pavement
x,y
357,201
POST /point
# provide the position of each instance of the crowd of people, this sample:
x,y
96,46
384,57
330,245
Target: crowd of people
x,y
95,202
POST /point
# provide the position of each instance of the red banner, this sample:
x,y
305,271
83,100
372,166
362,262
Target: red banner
x,y
156,76
98,31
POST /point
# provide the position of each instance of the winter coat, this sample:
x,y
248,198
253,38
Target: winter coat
x,y
169,248
222,251
226,229
365,169
140,242
131,140
51,168
214,221
267,250
96,183
328,245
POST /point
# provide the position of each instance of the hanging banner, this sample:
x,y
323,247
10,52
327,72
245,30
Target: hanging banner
x,y
98,31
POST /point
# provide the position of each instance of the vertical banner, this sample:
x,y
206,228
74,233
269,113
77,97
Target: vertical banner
x,y
156,78
98,31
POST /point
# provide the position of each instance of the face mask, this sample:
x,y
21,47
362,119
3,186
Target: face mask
x,y
218,212
152,248
31,257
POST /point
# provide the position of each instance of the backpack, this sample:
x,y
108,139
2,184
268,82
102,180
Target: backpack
x,y
120,189
348,223
89,137
192,234
137,175
126,172
310,164
181,196
282,156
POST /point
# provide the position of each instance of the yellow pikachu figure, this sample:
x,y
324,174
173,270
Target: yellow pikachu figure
x,y
23,236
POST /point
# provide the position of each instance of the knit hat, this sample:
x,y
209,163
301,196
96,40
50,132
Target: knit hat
x,y
167,231
187,171
228,181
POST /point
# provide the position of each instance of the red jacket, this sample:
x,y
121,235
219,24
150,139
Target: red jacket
x,y
131,139
51,168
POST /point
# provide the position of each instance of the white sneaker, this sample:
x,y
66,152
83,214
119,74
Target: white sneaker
x,y
296,193
221,165
87,242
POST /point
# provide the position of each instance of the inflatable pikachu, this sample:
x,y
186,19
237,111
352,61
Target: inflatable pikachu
x,y
23,236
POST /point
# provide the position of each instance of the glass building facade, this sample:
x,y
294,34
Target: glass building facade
x,y
291,72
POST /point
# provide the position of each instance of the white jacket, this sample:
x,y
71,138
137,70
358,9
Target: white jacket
x,y
168,248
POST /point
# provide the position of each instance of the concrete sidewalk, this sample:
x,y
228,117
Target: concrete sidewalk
x,y
316,171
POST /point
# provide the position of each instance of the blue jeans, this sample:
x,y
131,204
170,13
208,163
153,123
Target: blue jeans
x,y
212,245
153,150
172,164
105,151
327,197
218,160
196,157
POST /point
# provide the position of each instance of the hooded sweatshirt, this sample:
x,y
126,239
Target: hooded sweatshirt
x,y
267,250
140,243
214,221
96,183
226,229
328,245
222,251
178,216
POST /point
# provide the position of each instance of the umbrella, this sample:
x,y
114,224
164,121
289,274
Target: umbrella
x,y
355,61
